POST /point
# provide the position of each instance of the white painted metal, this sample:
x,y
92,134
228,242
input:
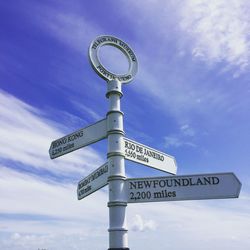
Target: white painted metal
x,y
185,187
150,157
126,50
93,182
122,190
79,139
118,238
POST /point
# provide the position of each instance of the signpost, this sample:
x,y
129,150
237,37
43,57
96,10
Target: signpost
x,y
93,182
122,190
78,139
118,232
185,187
150,157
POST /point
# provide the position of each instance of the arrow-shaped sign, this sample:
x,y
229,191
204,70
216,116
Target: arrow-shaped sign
x,y
79,139
185,187
93,182
150,157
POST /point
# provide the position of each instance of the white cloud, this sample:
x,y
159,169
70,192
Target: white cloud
x,y
172,141
55,219
187,130
184,138
187,38
218,31
82,224
140,224
27,137
34,208
66,25
84,109
175,141
213,31
195,224
37,213
28,194
53,241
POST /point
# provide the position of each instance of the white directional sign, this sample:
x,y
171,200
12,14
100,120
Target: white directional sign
x,y
79,139
93,182
145,155
186,187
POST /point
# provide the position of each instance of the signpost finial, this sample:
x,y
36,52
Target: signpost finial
x,y
101,70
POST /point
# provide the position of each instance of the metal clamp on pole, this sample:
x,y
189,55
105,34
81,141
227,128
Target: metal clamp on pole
x,y
114,87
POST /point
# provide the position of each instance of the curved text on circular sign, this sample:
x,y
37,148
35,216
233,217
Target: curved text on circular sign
x,y
101,70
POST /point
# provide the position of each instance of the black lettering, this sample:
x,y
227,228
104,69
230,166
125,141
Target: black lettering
x,y
132,185
59,142
132,196
162,183
139,184
142,158
157,195
164,194
199,182
156,183
169,183
215,180
139,149
129,145
112,39
147,184
69,146
75,136
185,182
94,46
207,180
177,182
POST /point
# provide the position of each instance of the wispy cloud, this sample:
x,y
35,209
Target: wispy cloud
x,y
218,31
36,212
66,25
28,194
211,31
27,137
49,211
187,130
86,111
185,137
83,240
175,141
218,227
191,39
140,224
44,206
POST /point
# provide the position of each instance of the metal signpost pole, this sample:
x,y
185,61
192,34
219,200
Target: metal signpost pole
x,y
118,236
136,190
118,233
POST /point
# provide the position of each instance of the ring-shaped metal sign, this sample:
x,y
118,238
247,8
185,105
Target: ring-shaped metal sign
x,y
101,70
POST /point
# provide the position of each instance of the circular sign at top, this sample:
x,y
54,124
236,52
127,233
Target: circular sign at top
x,y
101,70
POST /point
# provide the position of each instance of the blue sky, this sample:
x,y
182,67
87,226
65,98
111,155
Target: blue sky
x,y
190,99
